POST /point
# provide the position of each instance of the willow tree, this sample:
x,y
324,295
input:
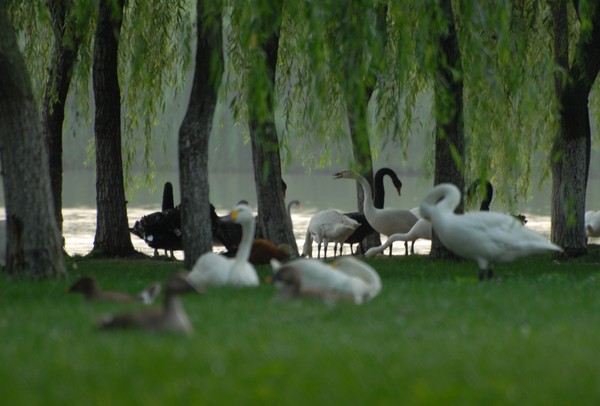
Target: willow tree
x,y
195,130
256,26
34,244
572,145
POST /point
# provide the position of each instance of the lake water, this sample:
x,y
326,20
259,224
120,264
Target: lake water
x,y
316,192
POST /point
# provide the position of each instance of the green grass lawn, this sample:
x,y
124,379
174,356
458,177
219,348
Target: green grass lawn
x,y
435,335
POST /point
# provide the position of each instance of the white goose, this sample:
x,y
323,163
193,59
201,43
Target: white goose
x,y
486,237
214,269
592,223
385,221
421,229
326,226
346,279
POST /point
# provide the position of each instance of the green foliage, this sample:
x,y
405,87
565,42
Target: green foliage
x,y
433,336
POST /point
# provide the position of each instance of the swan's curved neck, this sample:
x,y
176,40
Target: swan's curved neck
x,y
243,252
368,199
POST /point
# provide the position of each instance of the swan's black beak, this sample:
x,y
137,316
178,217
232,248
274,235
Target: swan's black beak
x,y
338,175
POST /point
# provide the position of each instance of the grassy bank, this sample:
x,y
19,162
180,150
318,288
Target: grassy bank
x,y
434,335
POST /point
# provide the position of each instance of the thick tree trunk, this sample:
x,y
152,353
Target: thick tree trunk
x,y
194,135
449,138
57,88
571,150
112,230
34,244
274,223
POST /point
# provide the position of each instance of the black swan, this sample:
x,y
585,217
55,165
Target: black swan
x,y
487,199
162,229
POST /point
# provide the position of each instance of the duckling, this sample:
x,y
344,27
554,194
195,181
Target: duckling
x,y
91,291
170,318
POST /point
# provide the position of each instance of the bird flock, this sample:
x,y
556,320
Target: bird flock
x,y
482,236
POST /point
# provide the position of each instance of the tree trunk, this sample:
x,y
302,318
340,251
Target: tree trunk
x,y
274,223
57,88
361,150
194,135
34,244
571,149
449,138
112,230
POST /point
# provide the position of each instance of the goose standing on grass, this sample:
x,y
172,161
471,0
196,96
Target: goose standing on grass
x,y
346,279
214,269
421,230
326,226
486,237
592,223
384,221
171,317
91,292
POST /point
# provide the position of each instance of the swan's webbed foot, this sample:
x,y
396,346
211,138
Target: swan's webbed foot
x,y
486,274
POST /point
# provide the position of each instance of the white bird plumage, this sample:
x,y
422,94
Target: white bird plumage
x,y
592,223
386,221
326,226
421,230
347,278
486,237
214,269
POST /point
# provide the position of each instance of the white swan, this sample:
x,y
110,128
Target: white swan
x,y
214,269
385,221
486,237
592,223
346,279
421,229
326,226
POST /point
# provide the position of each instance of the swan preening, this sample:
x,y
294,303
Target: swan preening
x,y
214,269
592,223
328,226
486,237
347,279
171,317
384,221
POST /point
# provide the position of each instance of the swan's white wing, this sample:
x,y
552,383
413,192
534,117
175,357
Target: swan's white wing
x,y
211,269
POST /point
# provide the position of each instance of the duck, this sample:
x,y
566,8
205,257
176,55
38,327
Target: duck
x,y
421,230
592,223
326,226
171,317
348,278
487,198
483,236
385,221
365,229
218,270
92,292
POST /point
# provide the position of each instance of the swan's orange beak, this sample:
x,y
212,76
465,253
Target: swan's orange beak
x,y
399,190
338,175
234,214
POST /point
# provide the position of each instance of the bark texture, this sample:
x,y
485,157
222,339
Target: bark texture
x,y
194,135
34,245
64,53
449,137
274,223
112,230
571,150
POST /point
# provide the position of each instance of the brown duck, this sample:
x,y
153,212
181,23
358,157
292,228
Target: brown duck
x,y
91,291
171,317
